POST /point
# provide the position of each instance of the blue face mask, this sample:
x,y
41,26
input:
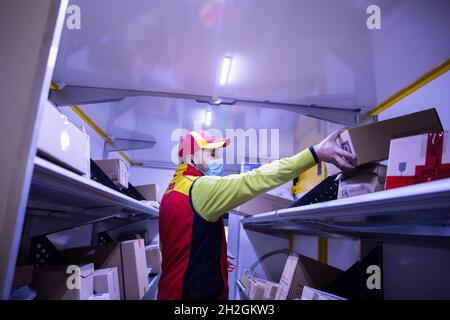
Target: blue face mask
x,y
214,169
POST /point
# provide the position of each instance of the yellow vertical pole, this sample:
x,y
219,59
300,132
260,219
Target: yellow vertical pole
x,y
322,248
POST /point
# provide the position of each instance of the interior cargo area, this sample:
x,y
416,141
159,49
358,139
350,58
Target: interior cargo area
x,y
328,123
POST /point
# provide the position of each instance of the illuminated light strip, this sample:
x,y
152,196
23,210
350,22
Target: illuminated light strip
x,y
419,83
322,248
93,125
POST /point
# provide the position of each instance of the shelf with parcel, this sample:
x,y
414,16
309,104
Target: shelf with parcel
x,y
416,212
52,184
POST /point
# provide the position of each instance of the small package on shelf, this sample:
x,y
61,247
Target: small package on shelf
x,y
367,179
418,159
314,294
106,281
116,170
371,142
62,142
301,271
153,258
64,282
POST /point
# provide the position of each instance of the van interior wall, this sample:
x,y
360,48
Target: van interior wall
x,y
404,51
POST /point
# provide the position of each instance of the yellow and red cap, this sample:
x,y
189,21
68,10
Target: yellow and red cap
x,y
200,139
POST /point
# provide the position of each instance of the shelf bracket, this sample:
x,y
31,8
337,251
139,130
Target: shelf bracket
x,y
70,95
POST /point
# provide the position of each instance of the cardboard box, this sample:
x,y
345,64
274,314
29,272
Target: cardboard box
x,y
418,159
369,178
116,170
149,191
371,142
62,142
270,291
301,271
264,203
61,283
153,258
23,276
256,289
129,258
314,294
106,281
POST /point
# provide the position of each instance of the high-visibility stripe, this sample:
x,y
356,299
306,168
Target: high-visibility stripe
x,y
419,83
94,126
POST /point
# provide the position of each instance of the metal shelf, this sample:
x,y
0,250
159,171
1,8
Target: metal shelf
x,y
56,188
415,213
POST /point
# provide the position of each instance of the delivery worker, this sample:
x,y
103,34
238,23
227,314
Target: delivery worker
x,y
191,229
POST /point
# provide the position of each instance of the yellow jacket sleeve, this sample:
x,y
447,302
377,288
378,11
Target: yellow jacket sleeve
x,y
214,196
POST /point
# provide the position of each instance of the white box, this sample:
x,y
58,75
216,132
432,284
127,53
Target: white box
x,y
418,159
107,281
61,141
314,294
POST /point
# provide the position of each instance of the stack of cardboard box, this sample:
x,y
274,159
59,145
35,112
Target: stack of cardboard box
x,y
129,259
415,146
301,271
111,271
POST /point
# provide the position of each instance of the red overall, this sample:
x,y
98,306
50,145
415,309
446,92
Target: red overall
x,y
194,251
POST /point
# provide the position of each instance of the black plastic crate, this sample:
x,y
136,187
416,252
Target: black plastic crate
x,y
325,191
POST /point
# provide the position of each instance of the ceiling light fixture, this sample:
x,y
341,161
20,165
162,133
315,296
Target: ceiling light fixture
x,y
208,118
226,67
